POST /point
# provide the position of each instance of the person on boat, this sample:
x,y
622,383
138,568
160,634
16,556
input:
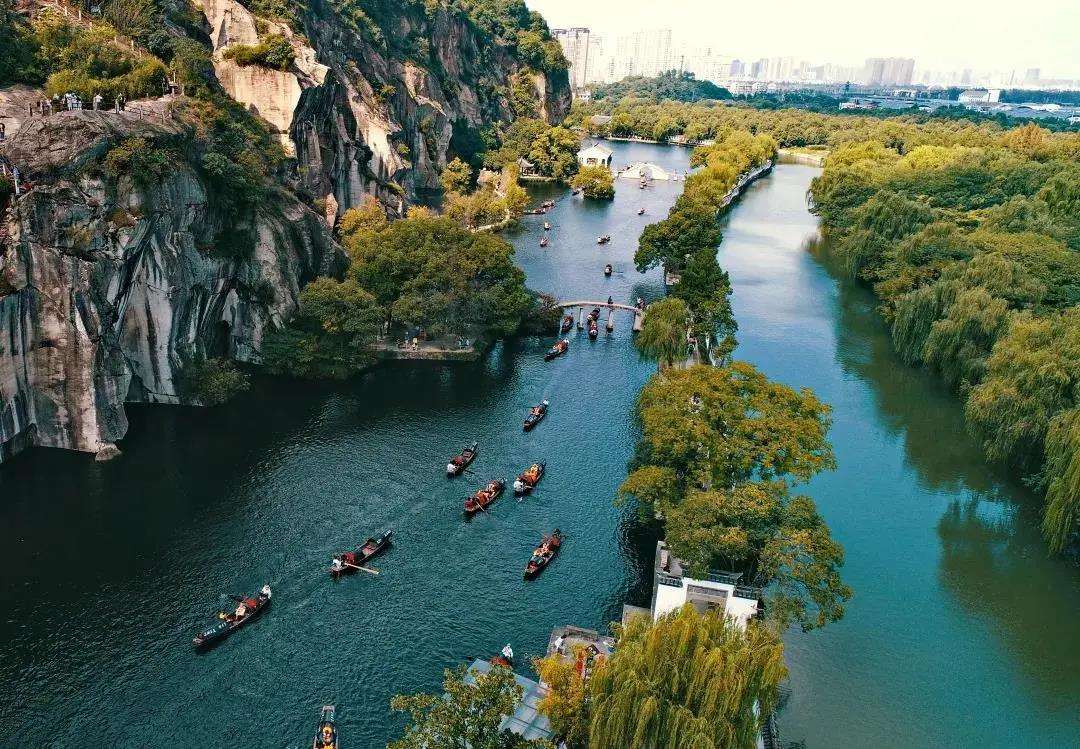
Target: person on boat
x,y
609,301
241,610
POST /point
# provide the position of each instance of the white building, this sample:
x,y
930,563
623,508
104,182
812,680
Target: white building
x,y
979,96
644,170
595,155
673,587
575,47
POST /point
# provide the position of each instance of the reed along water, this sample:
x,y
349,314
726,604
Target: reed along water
x,y
961,631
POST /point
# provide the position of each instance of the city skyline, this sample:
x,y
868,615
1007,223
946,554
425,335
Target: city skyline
x,y
941,37
598,57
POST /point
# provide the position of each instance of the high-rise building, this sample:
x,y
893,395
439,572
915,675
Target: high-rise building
x,y
738,68
888,71
1032,75
646,53
575,46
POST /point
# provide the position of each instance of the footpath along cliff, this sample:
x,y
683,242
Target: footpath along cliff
x,y
128,254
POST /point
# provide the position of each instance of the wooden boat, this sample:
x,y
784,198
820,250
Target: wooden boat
x,y
347,562
547,204
595,314
608,269
543,242
228,622
528,479
567,323
536,415
461,461
594,330
484,497
543,554
641,211
547,226
505,658
558,349
326,736
603,239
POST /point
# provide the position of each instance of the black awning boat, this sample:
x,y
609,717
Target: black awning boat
x,y
484,497
529,478
326,737
248,607
594,331
536,415
608,269
543,554
348,562
567,323
461,461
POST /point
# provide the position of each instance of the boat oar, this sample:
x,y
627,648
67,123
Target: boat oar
x,y
358,567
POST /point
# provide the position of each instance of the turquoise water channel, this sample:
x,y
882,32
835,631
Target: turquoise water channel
x,y
961,630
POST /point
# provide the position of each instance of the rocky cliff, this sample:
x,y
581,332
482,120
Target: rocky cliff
x,y
107,288
109,284
364,118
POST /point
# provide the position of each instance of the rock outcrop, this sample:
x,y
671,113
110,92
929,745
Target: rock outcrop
x,y
107,288
361,121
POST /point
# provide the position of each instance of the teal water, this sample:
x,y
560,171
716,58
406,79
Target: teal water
x,y
962,632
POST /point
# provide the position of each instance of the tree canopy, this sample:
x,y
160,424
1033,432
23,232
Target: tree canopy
x,y
466,716
972,243
595,182
719,448
688,680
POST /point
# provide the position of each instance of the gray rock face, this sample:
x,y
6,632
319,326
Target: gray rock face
x,y
106,290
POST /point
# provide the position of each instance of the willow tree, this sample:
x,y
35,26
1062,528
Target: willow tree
x,y
687,681
1062,475
662,337
467,716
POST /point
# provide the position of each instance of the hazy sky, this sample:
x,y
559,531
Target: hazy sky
x,y
939,34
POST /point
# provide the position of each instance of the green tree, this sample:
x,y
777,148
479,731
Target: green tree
x,y
211,382
456,177
662,337
689,680
595,182
566,702
467,716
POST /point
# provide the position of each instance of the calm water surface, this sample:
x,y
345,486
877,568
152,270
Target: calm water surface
x,y
961,630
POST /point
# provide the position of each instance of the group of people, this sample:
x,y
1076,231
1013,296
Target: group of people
x,y
71,102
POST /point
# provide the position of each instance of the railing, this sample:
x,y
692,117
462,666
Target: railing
x,y
748,591
671,580
727,578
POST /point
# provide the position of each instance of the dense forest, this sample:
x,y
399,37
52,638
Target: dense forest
x,y
974,251
672,85
793,120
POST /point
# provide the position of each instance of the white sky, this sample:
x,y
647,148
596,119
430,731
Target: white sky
x,y
939,34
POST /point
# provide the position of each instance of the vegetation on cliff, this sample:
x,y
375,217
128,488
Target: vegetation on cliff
x,y
272,51
974,251
688,679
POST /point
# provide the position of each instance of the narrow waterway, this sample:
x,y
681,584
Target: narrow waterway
x,y
108,570
961,631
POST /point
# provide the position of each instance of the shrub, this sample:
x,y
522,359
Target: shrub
x,y
212,382
136,158
273,51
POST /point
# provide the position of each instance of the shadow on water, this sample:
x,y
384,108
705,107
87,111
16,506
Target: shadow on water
x,y
962,630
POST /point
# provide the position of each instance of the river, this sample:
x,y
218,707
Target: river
x,y
961,631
